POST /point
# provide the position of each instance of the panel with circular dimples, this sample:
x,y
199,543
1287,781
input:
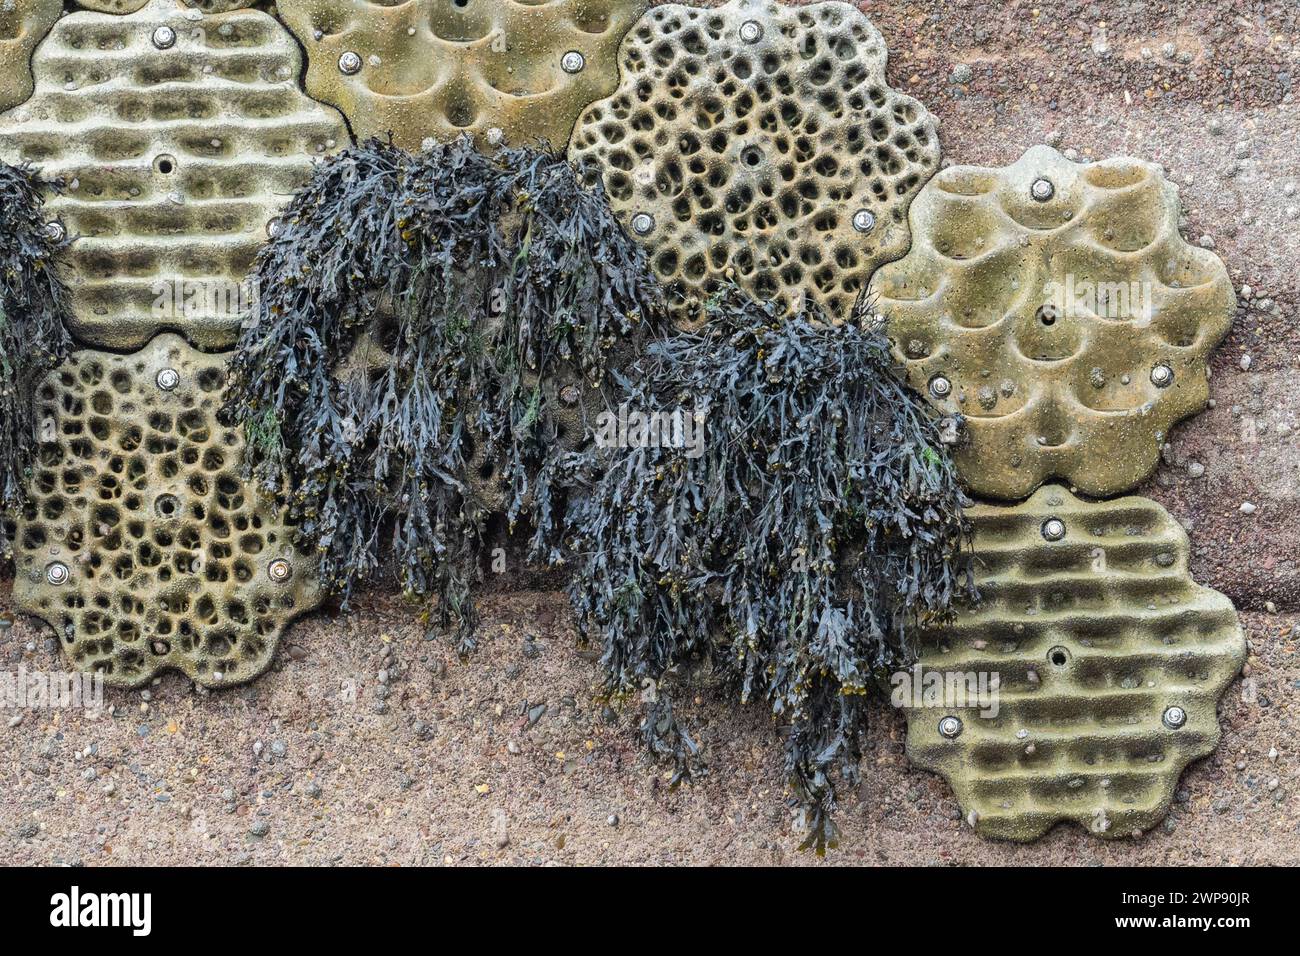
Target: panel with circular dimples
x,y
1056,307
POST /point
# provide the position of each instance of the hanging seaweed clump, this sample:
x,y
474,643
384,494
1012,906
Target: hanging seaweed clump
x,y
782,507
430,329
33,330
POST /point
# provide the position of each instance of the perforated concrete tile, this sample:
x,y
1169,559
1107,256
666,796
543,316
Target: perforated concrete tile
x,y
440,68
1057,308
142,545
22,24
1107,659
760,142
180,136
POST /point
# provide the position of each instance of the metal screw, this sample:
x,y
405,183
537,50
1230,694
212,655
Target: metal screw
x,y
643,223
1162,376
573,62
940,387
55,232
751,31
1042,190
164,38
56,572
1175,717
950,727
349,63
864,220
1053,529
279,570
168,379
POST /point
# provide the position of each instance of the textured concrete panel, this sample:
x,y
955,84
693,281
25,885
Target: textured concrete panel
x,y
440,68
179,136
1057,308
22,24
1091,630
142,545
760,143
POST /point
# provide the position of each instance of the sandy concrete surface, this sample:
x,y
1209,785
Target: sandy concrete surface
x,y
368,744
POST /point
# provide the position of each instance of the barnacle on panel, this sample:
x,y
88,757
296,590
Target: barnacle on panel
x,y
1108,660
759,143
141,544
178,137
441,68
22,24
1056,307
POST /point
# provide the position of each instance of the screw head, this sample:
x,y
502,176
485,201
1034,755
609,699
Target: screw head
x,y
55,232
643,223
1175,717
1042,190
573,62
168,379
1162,376
1053,529
950,727
57,573
940,387
751,31
279,570
864,220
164,38
349,63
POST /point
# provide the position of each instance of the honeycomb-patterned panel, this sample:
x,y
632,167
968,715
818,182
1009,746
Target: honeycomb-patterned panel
x,y
180,137
1094,630
1057,308
440,68
142,545
760,143
22,24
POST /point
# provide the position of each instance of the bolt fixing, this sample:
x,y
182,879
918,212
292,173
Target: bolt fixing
x,y
1042,190
168,379
1053,529
573,62
279,570
950,727
940,387
1175,717
864,220
56,572
751,31
643,223
1162,376
349,63
164,38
